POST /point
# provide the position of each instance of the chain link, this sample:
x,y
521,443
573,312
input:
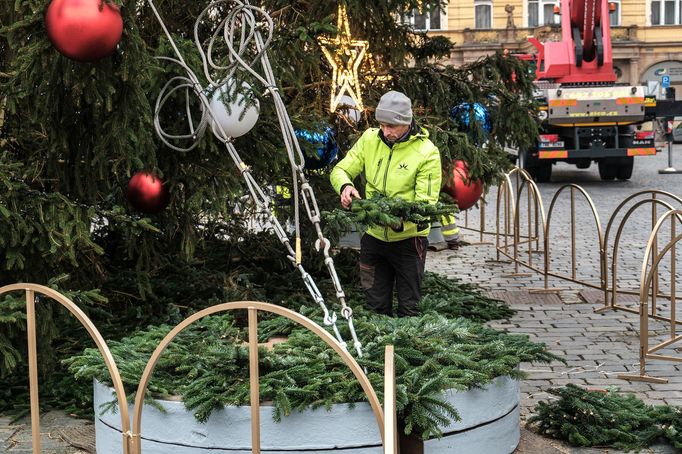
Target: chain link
x,y
242,25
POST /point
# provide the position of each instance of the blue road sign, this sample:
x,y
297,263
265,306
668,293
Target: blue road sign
x,y
665,81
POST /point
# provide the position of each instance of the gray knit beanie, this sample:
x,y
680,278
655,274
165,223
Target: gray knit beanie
x,y
394,109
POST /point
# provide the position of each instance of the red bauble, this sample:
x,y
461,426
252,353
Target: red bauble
x,y
466,195
83,30
147,193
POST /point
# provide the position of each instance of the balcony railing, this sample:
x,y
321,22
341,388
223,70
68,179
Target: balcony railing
x,y
513,37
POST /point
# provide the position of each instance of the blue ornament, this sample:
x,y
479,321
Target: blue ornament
x,y
326,148
462,113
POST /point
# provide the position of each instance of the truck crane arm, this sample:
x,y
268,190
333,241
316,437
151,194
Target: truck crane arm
x,y
584,18
584,54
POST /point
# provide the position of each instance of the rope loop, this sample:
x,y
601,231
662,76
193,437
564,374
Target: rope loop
x,y
246,32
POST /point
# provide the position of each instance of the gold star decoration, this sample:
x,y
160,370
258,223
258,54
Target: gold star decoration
x,y
345,56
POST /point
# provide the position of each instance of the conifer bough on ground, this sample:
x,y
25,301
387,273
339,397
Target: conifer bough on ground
x,y
606,419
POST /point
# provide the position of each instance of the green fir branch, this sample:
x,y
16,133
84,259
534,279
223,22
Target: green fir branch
x,y
606,419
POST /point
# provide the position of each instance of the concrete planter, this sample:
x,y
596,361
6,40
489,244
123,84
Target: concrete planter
x,y
490,425
351,239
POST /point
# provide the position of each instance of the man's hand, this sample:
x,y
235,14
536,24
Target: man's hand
x,y
398,227
347,195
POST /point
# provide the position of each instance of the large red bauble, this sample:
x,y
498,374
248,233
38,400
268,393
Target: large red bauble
x,y
83,30
466,195
461,165
147,193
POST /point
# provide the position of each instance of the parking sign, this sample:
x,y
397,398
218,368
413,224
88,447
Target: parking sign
x,y
665,81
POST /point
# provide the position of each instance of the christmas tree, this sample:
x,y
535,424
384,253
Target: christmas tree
x,y
75,134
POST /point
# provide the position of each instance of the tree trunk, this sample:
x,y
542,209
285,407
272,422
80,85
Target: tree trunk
x,y
409,444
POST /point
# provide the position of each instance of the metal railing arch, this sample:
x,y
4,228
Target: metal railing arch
x,y
573,188
386,419
648,298
31,290
131,435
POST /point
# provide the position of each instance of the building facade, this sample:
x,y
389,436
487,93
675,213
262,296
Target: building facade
x,y
646,34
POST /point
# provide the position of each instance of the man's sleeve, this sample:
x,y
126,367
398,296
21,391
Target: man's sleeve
x,y
429,176
349,167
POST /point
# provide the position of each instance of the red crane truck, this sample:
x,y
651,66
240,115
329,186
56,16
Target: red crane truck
x,y
586,116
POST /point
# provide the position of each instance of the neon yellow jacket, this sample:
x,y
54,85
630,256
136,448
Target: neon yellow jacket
x,y
411,170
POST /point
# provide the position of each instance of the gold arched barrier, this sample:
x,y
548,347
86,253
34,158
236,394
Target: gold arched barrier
x,y
610,293
507,225
602,264
131,441
534,200
509,199
503,196
31,290
646,290
385,420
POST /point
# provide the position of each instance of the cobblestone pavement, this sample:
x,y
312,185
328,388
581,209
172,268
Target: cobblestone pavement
x,y
608,340
59,434
596,346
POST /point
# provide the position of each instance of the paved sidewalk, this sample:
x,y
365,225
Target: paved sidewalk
x,y
596,346
59,434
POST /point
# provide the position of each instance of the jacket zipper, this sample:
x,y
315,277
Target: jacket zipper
x,y
429,191
388,164
376,175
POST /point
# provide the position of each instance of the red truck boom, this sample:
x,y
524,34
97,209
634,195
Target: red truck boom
x,y
585,115
584,54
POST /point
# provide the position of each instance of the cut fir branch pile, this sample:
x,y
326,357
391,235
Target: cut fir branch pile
x,y
208,364
384,212
606,419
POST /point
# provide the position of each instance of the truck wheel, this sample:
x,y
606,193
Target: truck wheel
x,y
625,168
542,173
608,169
583,163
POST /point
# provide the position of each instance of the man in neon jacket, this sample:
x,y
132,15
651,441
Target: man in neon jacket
x,y
398,160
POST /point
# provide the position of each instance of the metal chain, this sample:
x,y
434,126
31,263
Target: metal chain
x,y
243,25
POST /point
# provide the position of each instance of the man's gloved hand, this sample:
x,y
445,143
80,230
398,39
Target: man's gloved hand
x,y
348,193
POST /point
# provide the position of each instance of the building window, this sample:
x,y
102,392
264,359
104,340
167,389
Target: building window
x,y
483,14
666,12
424,20
614,16
541,12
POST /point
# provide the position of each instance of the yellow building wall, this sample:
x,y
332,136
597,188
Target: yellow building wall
x,y
460,13
634,12
661,34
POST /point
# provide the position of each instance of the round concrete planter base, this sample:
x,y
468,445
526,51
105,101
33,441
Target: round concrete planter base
x,y
490,425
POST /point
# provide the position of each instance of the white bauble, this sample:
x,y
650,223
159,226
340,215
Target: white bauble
x,y
347,107
233,122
